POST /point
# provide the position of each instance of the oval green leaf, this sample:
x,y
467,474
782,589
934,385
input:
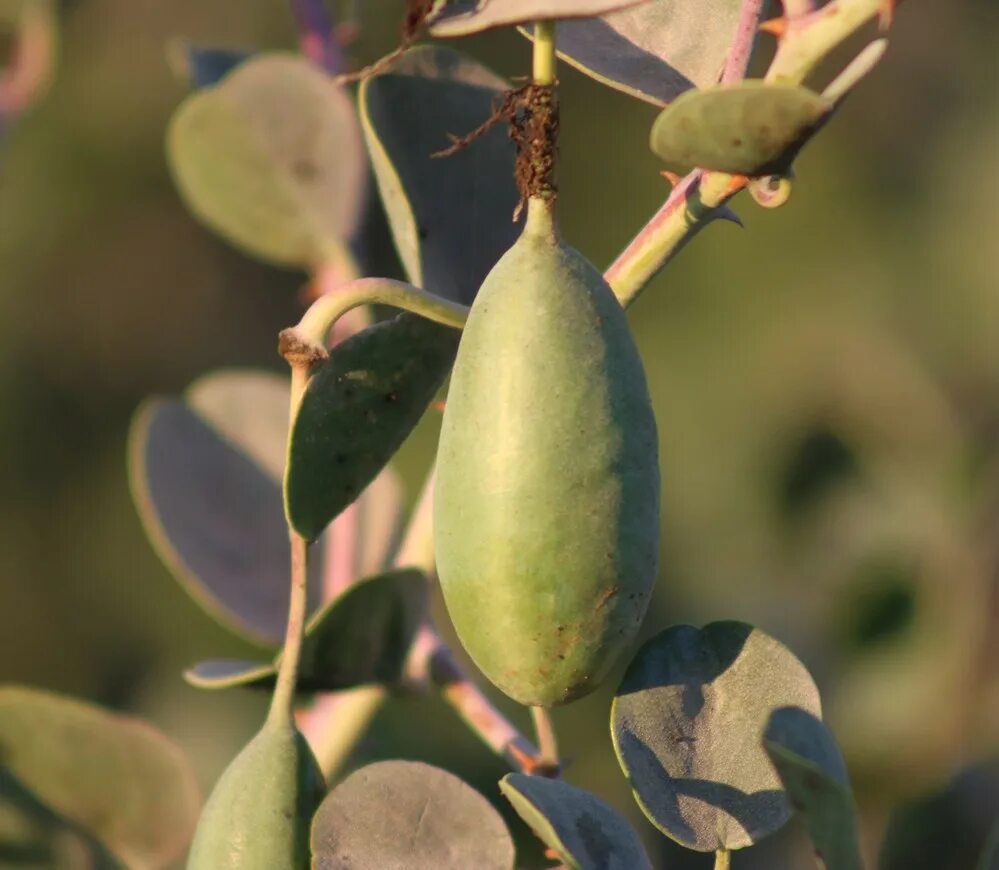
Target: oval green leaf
x,y
451,218
205,476
115,777
751,128
585,832
465,17
687,722
396,815
655,51
810,766
272,160
362,637
357,409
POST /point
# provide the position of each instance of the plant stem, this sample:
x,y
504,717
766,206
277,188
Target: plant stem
x,y
543,72
544,728
722,859
697,199
433,661
809,40
693,204
312,331
745,38
283,700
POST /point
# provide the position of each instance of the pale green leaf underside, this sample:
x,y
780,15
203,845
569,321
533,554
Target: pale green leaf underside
x,y
397,815
654,51
687,722
465,17
205,474
271,158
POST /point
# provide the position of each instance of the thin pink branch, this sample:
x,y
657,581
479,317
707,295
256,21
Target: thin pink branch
x,y
745,38
29,68
432,660
317,35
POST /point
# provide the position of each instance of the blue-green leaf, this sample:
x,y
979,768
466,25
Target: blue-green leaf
x,y
362,637
812,770
451,218
205,474
585,832
398,815
655,51
687,722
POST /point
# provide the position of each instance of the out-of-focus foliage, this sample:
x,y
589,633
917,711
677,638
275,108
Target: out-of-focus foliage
x,y
826,383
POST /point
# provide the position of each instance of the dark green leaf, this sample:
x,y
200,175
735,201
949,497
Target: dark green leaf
x,y
451,218
205,474
585,832
687,723
272,159
366,634
397,815
362,637
116,777
464,17
752,128
655,51
811,768
357,409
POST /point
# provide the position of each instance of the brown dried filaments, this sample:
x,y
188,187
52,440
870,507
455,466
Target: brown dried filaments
x,y
532,114
412,24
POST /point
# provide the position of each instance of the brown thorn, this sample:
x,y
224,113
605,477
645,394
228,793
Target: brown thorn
x,y
735,184
775,27
671,177
887,13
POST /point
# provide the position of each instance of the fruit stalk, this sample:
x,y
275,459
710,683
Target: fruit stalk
x,y
543,72
282,701
544,727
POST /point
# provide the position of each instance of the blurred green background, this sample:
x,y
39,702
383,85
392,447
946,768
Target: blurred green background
x,y
826,382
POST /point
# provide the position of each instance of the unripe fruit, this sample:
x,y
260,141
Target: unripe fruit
x,y
546,511
260,811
